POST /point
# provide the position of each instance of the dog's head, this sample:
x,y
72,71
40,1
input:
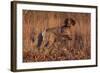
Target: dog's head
x,y
68,22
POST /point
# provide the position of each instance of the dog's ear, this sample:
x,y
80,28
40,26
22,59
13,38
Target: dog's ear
x,y
72,21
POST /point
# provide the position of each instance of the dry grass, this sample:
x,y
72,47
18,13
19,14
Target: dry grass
x,y
35,22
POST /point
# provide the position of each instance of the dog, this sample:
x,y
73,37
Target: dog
x,y
49,36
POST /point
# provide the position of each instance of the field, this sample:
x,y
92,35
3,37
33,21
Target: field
x,y
54,46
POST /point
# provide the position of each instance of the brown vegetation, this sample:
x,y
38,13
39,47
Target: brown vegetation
x,y
77,48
